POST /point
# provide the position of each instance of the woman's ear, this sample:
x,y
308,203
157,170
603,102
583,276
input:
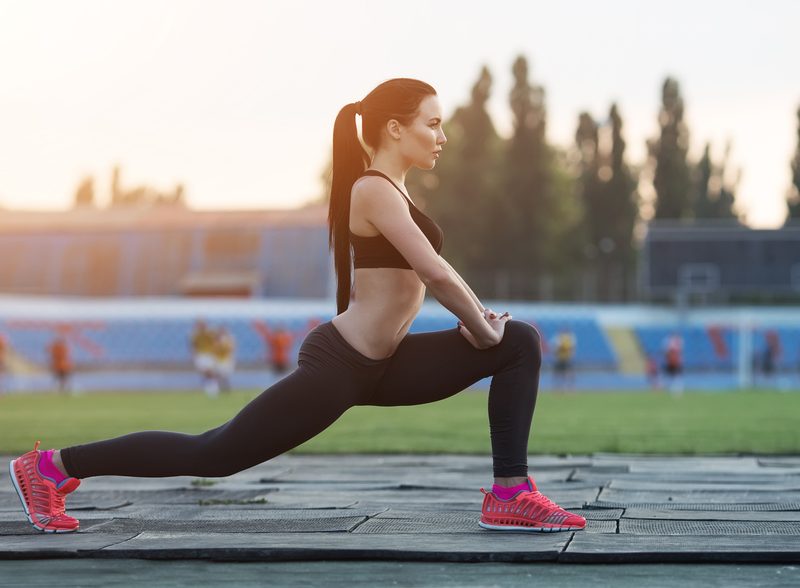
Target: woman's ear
x,y
393,128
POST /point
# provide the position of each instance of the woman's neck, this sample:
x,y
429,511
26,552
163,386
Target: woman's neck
x,y
390,166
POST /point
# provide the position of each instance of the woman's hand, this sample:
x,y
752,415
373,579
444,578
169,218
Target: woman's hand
x,y
498,324
488,313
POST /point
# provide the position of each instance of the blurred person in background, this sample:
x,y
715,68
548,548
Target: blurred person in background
x,y
202,345
673,363
279,342
652,372
769,355
280,346
61,363
564,349
365,354
224,357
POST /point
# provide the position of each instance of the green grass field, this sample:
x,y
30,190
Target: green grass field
x,y
571,423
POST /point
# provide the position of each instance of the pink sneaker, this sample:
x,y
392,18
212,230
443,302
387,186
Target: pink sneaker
x,y
42,499
528,510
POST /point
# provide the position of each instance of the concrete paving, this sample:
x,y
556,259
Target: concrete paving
x,y
640,509
112,573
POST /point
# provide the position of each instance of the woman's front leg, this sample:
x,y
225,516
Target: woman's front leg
x,y
432,366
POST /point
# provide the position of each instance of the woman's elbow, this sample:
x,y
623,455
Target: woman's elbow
x,y
435,277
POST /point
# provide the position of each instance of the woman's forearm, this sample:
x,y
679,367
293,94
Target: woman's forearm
x,y
466,286
451,293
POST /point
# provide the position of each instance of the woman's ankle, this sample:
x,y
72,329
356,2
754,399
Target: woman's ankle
x,y
58,463
511,482
46,464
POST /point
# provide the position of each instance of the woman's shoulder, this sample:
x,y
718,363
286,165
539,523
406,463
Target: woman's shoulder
x,y
375,190
368,183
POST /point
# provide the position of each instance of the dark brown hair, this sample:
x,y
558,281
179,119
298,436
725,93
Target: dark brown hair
x,y
396,99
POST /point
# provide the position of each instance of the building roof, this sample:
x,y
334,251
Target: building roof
x,y
157,218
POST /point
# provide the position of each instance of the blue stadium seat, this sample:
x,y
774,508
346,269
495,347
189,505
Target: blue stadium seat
x,y
160,342
698,349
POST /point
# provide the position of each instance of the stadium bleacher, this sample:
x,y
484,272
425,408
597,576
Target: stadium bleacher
x,y
130,344
143,342
161,342
788,356
699,351
592,350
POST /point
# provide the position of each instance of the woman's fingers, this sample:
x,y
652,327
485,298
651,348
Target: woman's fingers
x,y
489,314
493,315
464,332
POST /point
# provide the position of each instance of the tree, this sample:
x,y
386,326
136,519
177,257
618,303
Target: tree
x,y
587,141
590,193
461,191
623,204
712,198
144,196
609,206
84,194
794,196
671,180
526,222
507,207
701,201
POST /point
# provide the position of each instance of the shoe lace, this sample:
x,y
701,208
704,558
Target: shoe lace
x,y
541,500
57,503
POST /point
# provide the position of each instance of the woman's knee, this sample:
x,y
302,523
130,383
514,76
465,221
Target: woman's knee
x,y
525,338
211,457
216,464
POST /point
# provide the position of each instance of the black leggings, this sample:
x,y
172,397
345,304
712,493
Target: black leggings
x,y
332,377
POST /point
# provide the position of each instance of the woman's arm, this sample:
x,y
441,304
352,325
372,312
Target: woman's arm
x,y
464,284
390,214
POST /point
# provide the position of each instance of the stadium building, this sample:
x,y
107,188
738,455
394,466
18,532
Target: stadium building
x,y
166,251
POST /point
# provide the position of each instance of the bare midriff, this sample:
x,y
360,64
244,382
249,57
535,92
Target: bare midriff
x,y
386,302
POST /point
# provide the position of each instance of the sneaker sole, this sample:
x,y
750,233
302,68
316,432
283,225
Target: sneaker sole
x,y
527,529
13,475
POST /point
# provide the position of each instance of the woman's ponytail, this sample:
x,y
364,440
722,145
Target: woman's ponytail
x,y
349,162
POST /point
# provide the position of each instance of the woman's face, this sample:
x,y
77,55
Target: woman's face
x,y
422,140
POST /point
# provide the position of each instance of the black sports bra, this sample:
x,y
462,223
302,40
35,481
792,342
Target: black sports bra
x,y
377,251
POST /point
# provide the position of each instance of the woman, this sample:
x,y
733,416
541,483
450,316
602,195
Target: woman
x,y
364,356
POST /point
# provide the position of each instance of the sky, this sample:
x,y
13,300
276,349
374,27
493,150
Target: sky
x,y
236,99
